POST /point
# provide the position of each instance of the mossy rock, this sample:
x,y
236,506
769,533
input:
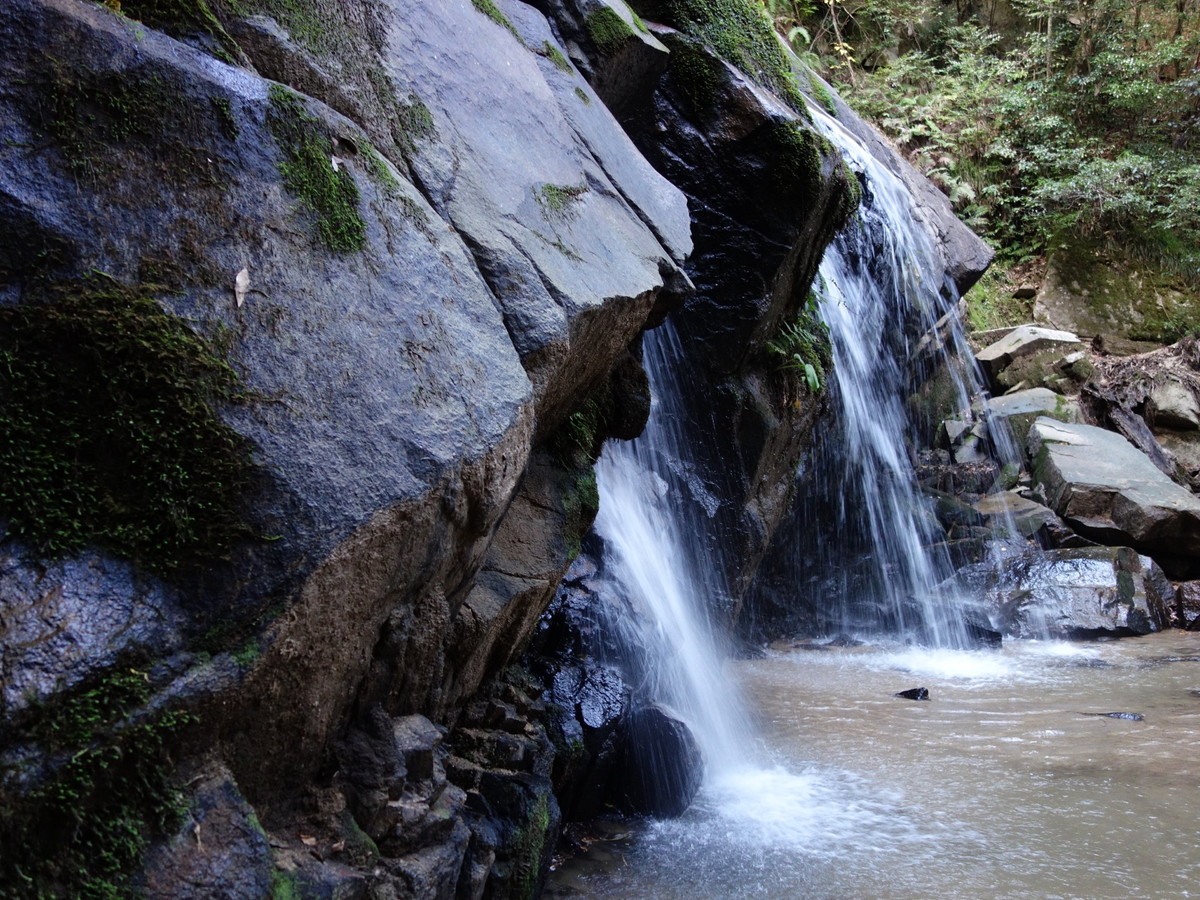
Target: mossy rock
x,y
1089,289
739,33
110,432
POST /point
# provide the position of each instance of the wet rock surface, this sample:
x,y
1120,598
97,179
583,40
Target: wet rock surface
x,y
1070,594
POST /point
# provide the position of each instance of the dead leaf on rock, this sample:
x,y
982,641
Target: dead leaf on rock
x,y
308,840
241,286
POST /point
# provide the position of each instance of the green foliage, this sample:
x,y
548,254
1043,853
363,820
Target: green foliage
x,y
607,29
79,831
309,174
1079,120
990,303
583,96
109,431
802,348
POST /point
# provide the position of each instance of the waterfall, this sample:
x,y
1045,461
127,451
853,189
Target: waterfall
x,y
868,548
865,543
664,564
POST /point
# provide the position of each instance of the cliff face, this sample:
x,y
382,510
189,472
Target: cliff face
x,y
387,261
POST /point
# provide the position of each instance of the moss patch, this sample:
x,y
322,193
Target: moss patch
x,y
794,157
822,94
91,116
583,96
739,32
489,9
555,56
559,199
182,18
109,432
309,175
527,847
607,30
103,795
697,76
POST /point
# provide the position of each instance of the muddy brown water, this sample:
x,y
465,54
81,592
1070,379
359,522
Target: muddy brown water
x,y
1005,784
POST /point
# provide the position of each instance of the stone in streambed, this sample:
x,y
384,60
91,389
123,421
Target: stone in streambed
x,y
918,693
663,765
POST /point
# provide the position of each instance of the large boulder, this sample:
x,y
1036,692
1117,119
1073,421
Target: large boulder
x,y
1073,594
1109,491
663,765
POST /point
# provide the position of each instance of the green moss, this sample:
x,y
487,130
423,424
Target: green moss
x,y
489,9
607,29
583,96
794,156
697,76
822,94
309,175
555,56
528,845
97,120
181,18
82,827
559,199
286,886
740,33
109,430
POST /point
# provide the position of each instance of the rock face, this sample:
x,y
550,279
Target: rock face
x,y
1075,594
429,250
1109,491
1026,340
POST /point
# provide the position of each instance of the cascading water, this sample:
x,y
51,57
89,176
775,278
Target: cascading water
x,y
664,564
876,292
867,546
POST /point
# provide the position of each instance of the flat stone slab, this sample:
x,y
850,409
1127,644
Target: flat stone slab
x,y
1023,341
1021,408
1110,491
1025,515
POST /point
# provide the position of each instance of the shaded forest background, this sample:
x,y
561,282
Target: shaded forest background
x,y
1049,123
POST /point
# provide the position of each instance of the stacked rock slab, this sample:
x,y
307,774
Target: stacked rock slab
x,y
1107,490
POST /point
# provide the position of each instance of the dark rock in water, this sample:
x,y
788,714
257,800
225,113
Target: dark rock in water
x,y
1124,716
663,765
1088,593
919,693
844,640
